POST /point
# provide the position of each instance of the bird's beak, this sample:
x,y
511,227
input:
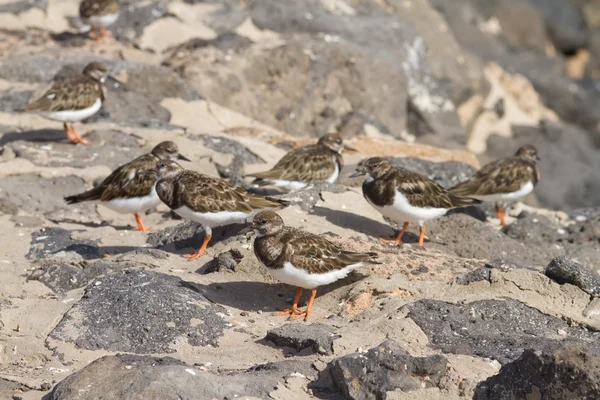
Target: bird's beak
x,y
360,172
114,80
182,157
537,157
248,229
348,148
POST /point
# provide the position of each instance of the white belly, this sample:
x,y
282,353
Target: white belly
x,y
402,211
335,174
300,278
104,20
212,220
73,115
135,204
287,185
524,191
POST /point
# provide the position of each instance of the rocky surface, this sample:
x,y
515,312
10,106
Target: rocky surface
x,y
439,87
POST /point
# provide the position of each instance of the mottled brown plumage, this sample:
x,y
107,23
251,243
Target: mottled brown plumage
x,y
405,196
301,258
506,175
308,164
502,180
93,8
207,200
126,182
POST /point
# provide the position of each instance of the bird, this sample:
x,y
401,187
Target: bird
x,y
209,201
406,196
320,162
302,259
73,99
127,191
503,180
98,14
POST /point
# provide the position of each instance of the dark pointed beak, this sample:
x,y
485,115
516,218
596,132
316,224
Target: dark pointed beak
x,y
248,229
182,157
348,148
360,172
537,157
117,83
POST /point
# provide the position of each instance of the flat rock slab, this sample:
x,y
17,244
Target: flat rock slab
x,y
141,312
447,173
126,376
571,372
385,368
49,241
496,329
318,337
566,270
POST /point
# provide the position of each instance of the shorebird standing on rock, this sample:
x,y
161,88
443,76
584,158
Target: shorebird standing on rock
x,y
405,196
209,201
98,14
503,180
321,162
73,100
302,259
125,190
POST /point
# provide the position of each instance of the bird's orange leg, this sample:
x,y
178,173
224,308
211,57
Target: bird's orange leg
x,y
140,224
202,251
95,36
104,32
305,314
77,138
294,310
421,235
398,239
500,212
69,134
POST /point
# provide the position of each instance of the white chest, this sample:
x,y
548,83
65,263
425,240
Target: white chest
x,y
73,115
297,277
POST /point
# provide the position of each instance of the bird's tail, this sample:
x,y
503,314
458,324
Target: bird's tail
x,y
90,195
461,201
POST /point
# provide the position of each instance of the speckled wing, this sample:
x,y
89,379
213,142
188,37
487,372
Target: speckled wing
x,y
205,194
306,164
506,175
317,255
423,192
91,8
69,94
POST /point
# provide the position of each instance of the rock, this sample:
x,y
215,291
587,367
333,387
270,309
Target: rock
x,y
317,336
27,221
49,241
7,206
564,270
384,368
570,372
480,274
61,276
127,376
226,261
141,312
308,197
534,229
447,173
497,329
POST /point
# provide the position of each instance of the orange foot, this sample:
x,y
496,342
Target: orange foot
x,y
140,224
398,239
197,254
75,138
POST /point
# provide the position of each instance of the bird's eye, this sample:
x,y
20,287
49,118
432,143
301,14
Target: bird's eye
x,y
169,150
161,165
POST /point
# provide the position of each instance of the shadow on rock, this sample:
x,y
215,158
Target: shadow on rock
x,y
36,136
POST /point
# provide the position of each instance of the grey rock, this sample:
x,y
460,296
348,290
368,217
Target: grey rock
x,y
49,241
228,146
447,173
480,274
7,206
570,372
44,196
496,329
308,197
565,270
317,336
535,229
226,261
141,312
16,7
384,368
126,376
26,221
134,18
175,234
61,276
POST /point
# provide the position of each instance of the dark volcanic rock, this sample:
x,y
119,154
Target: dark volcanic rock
x,y
496,329
308,197
62,277
447,173
571,372
226,261
534,229
180,234
565,270
49,241
480,274
126,376
141,312
318,337
385,368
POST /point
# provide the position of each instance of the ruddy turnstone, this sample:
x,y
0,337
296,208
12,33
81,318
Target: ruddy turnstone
x,y
127,191
503,180
74,99
209,201
98,14
321,162
302,259
405,196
